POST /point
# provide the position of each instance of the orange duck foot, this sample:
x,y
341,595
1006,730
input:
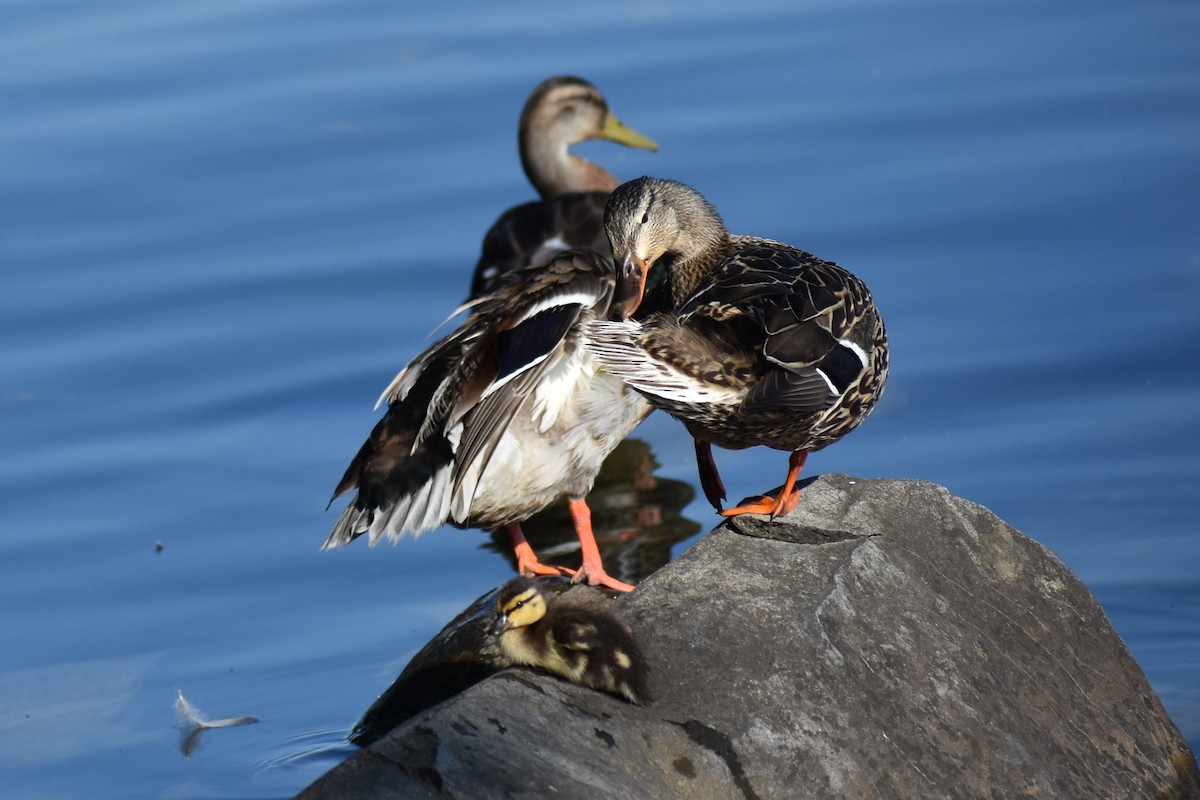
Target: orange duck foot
x,y
789,495
527,561
775,506
529,566
591,571
596,576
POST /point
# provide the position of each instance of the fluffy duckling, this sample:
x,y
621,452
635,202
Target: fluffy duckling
x,y
499,419
747,341
561,111
573,635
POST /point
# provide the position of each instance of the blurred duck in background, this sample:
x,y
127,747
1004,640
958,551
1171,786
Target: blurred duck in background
x,y
561,112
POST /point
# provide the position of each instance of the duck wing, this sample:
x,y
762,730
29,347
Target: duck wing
x,y
448,409
807,321
774,327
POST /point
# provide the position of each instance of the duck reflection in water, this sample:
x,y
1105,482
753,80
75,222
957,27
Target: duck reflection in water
x,y
637,517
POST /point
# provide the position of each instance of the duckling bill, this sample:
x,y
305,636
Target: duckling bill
x,y
572,635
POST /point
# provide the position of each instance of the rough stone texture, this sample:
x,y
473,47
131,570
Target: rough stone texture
x,y
887,639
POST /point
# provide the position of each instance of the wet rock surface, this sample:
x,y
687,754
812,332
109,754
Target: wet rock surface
x,y
886,639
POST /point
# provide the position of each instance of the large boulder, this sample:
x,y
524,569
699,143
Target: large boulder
x,y
886,639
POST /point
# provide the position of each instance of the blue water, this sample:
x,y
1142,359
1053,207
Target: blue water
x,y
225,225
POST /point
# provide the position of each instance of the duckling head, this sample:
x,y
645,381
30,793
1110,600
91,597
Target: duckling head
x,y
519,603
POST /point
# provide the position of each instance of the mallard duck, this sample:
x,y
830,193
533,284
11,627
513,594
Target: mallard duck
x,y
562,111
573,635
498,419
748,341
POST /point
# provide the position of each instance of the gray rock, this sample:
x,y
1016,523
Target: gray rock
x,y
886,639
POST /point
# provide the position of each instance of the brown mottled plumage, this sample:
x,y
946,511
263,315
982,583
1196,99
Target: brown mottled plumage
x,y
560,112
748,341
573,635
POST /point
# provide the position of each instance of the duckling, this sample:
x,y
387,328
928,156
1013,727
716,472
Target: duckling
x,y
561,111
747,341
573,635
499,419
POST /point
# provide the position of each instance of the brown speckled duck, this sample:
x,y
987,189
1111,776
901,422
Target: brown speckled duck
x,y
747,341
574,635
562,111
499,419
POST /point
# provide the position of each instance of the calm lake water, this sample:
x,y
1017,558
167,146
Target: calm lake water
x,y
225,225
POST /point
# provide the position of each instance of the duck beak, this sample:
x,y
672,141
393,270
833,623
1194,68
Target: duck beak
x,y
615,131
631,283
500,625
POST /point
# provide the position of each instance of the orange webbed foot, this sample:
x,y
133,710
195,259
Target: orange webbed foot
x,y
529,566
594,577
527,561
779,506
591,571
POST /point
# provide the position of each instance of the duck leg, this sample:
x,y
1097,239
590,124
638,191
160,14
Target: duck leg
x,y
788,495
527,561
710,478
591,570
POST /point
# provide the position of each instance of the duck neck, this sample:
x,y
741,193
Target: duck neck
x,y
687,275
554,171
702,242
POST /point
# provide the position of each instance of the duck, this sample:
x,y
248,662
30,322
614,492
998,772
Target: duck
x,y
747,341
561,111
498,419
573,635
